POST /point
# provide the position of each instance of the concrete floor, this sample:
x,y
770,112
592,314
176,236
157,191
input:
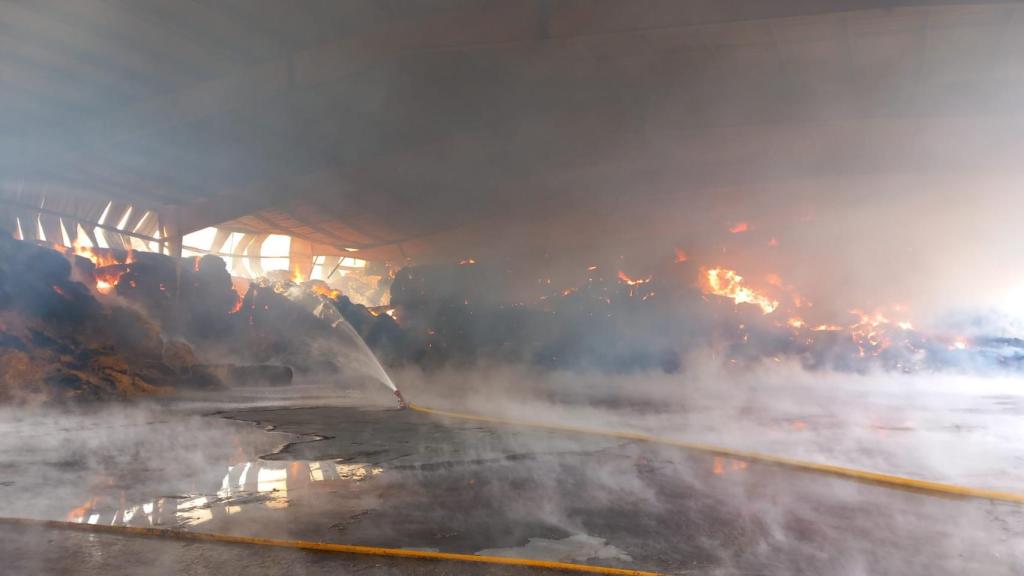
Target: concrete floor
x,y
383,477
37,551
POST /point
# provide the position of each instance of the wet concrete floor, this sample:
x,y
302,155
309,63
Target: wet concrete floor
x,y
383,477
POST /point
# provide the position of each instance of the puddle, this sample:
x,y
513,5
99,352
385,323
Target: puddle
x,y
266,484
140,466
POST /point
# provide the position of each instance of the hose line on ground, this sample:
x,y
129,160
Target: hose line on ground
x,y
831,469
324,546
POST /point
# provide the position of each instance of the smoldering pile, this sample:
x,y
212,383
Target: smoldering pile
x,y
271,323
462,314
58,342
142,323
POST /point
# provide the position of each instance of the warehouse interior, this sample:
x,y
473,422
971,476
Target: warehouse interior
x,y
665,286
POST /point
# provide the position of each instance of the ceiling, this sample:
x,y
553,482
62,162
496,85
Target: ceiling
x,y
424,130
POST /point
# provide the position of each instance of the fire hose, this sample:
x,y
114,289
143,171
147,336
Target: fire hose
x,y
924,486
322,546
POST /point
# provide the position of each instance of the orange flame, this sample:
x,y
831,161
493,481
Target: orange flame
x,y
739,227
98,259
632,281
238,303
467,261
325,290
681,255
729,284
297,276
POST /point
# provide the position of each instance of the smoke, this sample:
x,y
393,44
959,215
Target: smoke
x,y
732,517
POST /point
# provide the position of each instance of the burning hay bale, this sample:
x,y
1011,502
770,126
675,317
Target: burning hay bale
x,y
57,342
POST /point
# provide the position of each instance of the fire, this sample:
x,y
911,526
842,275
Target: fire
x,y
104,287
238,303
796,322
632,281
739,228
297,276
729,284
78,514
325,290
467,262
681,256
98,259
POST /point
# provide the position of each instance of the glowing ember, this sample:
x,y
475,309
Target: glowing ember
x,y
632,281
739,228
729,284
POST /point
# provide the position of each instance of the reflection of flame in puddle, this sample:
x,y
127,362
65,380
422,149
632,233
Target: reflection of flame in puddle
x,y
259,482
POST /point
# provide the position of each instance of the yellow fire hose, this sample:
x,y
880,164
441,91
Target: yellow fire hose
x,y
855,473
324,546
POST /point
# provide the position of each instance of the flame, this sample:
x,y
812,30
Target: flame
x,y
739,228
796,322
104,287
729,284
681,256
98,259
78,514
325,290
632,281
467,261
827,328
297,277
